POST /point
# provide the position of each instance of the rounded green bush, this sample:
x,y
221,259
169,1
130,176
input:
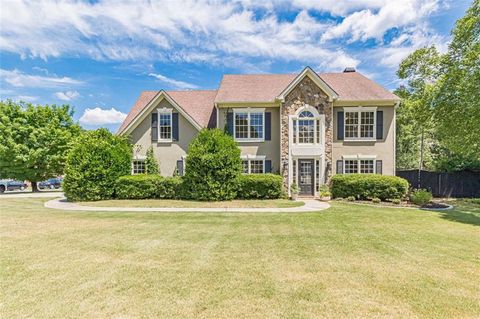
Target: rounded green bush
x,y
376,200
367,186
213,166
420,197
260,186
351,198
95,161
396,201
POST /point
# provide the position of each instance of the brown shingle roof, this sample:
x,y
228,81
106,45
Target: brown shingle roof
x,y
142,101
258,88
266,87
355,86
252,87
198,104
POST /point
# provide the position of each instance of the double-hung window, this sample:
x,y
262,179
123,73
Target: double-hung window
x,y
360,123
249,125
138,167
358,165
164,124
306,128
253,165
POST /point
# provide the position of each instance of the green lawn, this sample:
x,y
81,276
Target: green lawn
x,y
347,261
277,203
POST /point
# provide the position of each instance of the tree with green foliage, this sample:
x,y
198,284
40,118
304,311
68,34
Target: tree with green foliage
x,y
415,115
34,140
438,122
457,100
151,163
95,161
213,166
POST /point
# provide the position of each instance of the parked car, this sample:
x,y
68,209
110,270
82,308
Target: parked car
x,y
52,183
11,185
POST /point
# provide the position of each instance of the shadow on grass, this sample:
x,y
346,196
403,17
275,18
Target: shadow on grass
x,y
463,212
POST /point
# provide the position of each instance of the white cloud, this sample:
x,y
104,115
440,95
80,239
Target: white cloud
x,y
174,83
392,54
26,98
20,79
366,24
211,32
66,96
98,116
199,32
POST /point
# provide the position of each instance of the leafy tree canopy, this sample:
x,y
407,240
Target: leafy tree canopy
x,y
34,140
441,101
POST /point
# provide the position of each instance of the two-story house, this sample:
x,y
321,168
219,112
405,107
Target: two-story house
x,y
305,126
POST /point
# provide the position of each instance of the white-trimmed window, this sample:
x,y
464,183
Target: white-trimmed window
x,y
164,124
249,124
306,127
253,164
138,166
360,123
359,164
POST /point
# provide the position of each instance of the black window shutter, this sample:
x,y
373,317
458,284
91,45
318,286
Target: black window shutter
x,y
268,126
154,130
339,167
230,123
268,166
180,167
340,125
379,125
175,126
378,167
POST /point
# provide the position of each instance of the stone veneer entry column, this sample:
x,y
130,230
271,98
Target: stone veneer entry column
x,y
305,93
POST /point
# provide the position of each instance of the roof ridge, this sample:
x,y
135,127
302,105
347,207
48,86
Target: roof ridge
x,y
210,90
292,73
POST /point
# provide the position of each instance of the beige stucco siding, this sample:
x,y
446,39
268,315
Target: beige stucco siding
x,y
383,149
271,149
166,153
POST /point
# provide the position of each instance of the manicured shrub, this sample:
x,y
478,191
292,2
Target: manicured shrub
x,y
170,188
376,200
213,166
367,186
260,186
324,191
136,186
147,186
396,201
151,163
351,198
95,161
420,197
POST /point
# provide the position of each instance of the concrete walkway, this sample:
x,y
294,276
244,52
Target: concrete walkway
x,y
310,206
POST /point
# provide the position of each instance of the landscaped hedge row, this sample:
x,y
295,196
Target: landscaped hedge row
x,y
255,186
368,186
260,186
148,186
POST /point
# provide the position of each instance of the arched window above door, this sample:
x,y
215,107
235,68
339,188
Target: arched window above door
x,y
306,126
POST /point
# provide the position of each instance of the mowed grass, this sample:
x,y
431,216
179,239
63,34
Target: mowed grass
x,y
345,262
277,203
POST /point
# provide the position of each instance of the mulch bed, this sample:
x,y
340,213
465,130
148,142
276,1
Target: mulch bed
x,y
433,205
406,204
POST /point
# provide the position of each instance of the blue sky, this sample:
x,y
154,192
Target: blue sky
x,y
98,55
